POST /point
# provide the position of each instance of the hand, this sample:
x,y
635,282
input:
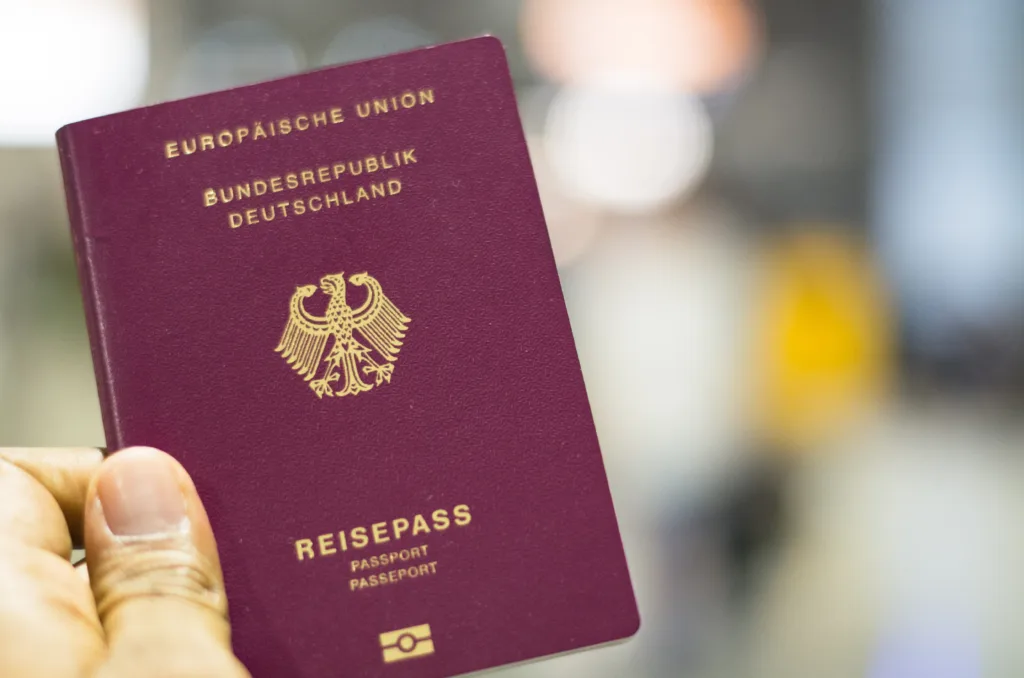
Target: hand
x,y
151,602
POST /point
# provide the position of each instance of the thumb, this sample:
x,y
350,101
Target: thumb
x,y
154,571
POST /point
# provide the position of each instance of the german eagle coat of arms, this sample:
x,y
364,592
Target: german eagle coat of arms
x,y
366,339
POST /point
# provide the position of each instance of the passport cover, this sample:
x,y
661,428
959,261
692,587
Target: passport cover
x,y
333,298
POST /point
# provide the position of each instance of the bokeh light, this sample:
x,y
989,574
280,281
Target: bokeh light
x,y
628,145
693,45
68,60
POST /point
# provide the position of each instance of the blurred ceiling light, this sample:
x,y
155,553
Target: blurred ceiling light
x,y
572,226
235,53
376,37
626,145
66,60
695,45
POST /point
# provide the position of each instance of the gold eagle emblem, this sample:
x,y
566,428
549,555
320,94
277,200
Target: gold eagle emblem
x,y
366,340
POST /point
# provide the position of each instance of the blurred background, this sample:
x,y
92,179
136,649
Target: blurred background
x,y
806,221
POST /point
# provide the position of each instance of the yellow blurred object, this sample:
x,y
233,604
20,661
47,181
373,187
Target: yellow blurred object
x,y
823,339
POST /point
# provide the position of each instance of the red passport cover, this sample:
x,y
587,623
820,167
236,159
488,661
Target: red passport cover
x,y
333,298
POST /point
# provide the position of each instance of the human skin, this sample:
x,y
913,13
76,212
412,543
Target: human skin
x,y
149,601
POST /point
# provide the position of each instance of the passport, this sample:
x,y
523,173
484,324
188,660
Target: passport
x,y
333,298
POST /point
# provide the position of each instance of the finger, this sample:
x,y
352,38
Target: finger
x,y
154,571
64,473
43,603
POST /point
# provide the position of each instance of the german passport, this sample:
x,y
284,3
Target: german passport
x,y
333,298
